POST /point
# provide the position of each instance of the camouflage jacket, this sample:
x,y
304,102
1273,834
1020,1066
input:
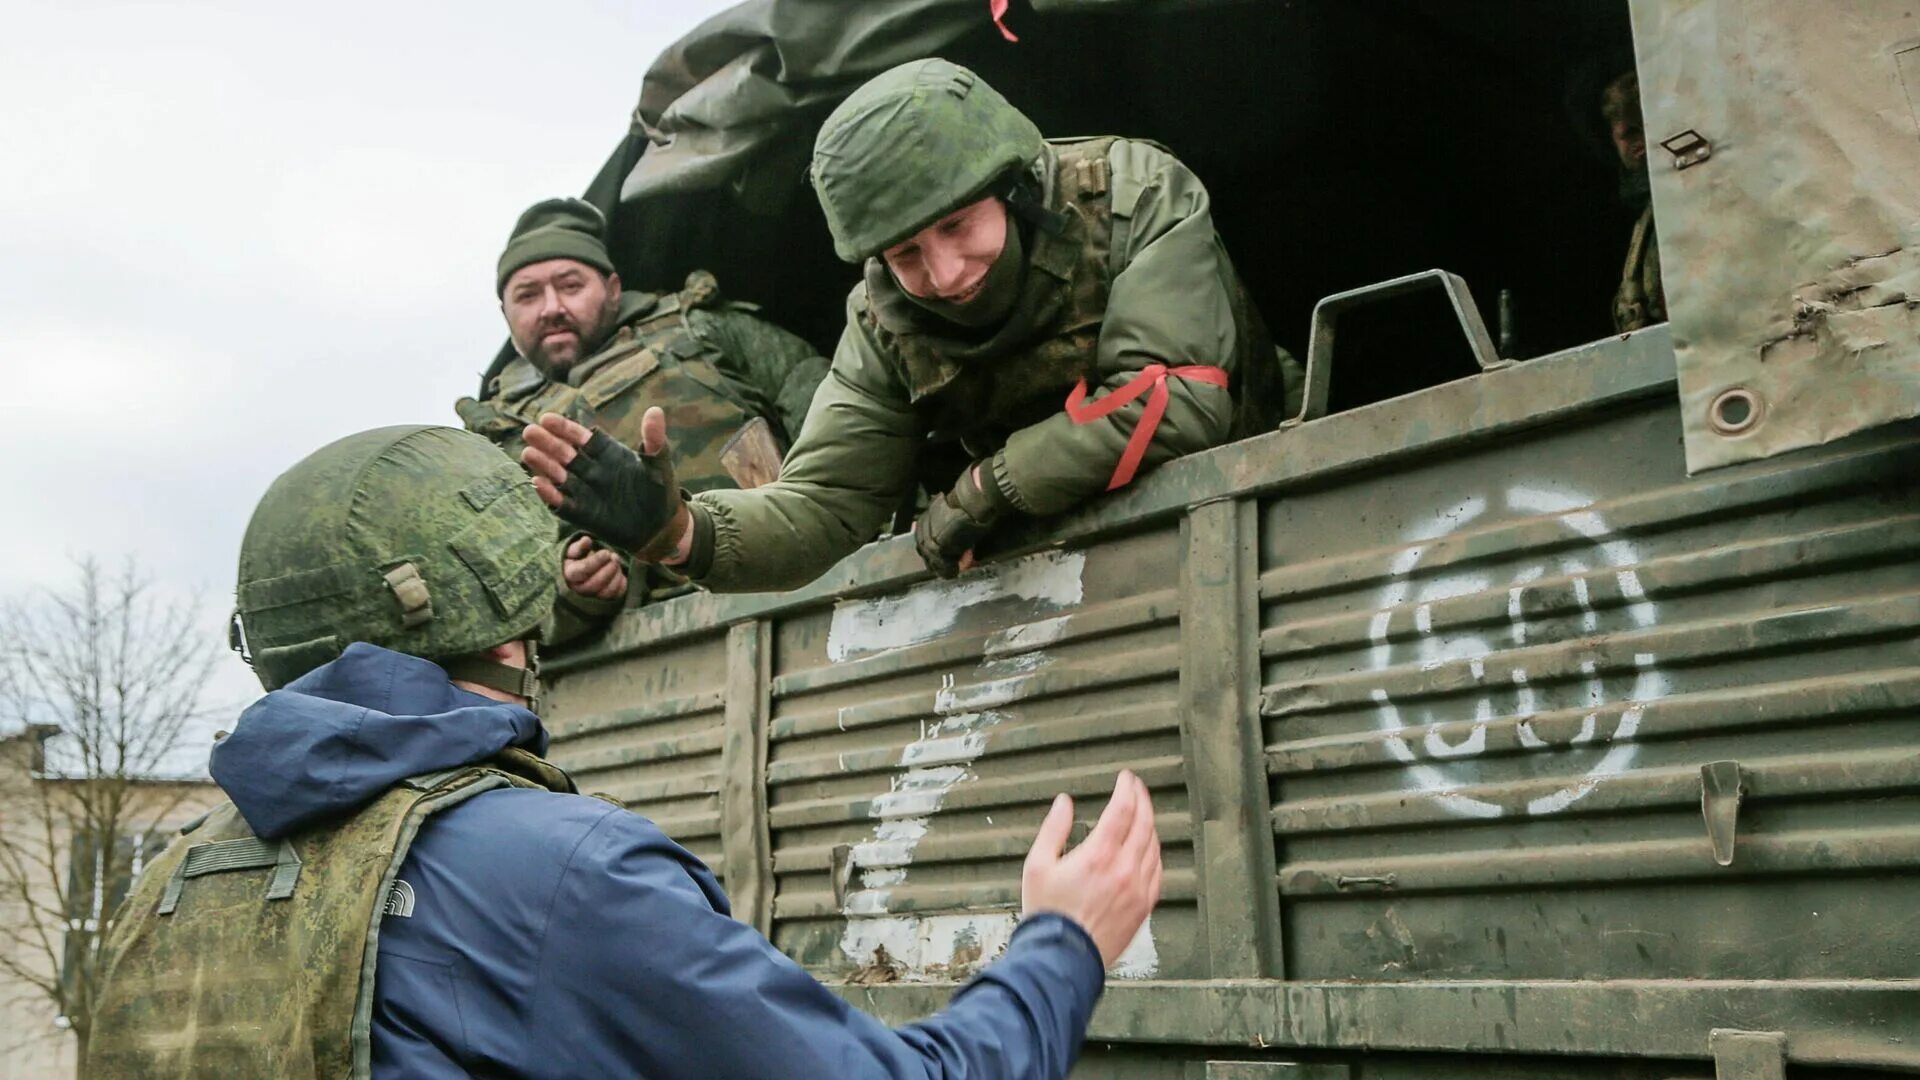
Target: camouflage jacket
x,y
1125,271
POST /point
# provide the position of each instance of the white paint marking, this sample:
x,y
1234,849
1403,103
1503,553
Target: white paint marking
x,y
1051,579
933,764
1027,636
1432,653
1140,959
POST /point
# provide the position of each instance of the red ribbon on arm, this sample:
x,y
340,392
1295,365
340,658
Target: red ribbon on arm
x,y
999,10
1152,377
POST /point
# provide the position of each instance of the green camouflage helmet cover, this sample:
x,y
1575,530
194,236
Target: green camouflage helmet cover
x,y
425,540
915,143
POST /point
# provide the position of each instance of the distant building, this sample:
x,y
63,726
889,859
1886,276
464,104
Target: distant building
x,y
34,1039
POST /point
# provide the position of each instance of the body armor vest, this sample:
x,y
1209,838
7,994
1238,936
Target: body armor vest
x,y
237,956
1641,299
977,393
654,358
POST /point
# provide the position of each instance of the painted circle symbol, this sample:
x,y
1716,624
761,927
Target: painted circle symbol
x,y
1453,684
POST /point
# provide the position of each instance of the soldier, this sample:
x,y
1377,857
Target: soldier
x,y
1641,299
402,886
1043,319
735,386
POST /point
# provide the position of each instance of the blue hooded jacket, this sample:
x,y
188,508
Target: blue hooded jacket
x,y
556,935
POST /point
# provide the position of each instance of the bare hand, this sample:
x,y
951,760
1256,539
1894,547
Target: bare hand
x,y
591,570
1110,883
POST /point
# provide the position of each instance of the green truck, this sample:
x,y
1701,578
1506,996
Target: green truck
x,y
1541,702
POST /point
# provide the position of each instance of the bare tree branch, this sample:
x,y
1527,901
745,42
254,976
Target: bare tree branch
x,y
119,672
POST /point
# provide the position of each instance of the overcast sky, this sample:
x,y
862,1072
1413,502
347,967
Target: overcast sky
x,y
233,231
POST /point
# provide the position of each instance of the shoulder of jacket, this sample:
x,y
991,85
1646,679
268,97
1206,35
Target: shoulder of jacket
x,y
1139,167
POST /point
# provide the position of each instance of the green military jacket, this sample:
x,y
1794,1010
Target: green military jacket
x,y
1125,271
1641,299
292,929
713,366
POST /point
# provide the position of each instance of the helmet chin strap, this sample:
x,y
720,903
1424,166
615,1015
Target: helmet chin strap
x,y
494,675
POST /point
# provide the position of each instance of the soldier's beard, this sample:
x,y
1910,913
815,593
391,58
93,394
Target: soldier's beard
x,y
585,340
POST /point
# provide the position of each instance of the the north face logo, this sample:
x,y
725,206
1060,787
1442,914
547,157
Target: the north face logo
x,y
399,900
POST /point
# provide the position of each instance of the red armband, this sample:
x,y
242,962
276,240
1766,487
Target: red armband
x,y
1152,377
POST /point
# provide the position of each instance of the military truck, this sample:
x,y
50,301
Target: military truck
x,y
1535,704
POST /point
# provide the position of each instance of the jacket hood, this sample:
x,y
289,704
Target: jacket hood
x,y
334,739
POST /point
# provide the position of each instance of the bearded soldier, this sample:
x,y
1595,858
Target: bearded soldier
x,y
1038,322
734,386
402,886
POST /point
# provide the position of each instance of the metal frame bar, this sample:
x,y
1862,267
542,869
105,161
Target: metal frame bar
x,y
1326,319
1823,1022
745,838
1222,744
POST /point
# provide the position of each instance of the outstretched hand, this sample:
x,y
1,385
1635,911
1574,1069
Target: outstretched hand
x,y
1110,883
626,498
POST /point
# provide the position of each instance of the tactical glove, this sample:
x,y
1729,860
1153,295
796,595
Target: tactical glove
x,y
959,519
625,498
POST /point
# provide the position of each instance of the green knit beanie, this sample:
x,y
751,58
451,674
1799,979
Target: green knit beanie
x,y
556,229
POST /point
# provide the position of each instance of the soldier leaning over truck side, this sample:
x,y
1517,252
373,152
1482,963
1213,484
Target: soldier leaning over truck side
x,y
1051,318
735,387
402,885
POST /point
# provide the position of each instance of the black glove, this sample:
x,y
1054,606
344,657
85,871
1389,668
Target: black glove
x,y
959,519
625,498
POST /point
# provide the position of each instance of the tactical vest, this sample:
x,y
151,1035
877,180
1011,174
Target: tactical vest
x,y
654,358
1641,299
237,956
978,395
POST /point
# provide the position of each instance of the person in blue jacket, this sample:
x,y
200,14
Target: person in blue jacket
x,y
402,885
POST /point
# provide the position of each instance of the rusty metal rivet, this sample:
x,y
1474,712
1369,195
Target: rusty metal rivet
x,y
1736,411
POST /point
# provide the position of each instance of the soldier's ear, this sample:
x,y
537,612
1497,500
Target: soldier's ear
x,y
613,282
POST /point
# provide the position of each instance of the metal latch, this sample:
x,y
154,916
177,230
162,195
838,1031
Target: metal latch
x,y
1720,792
840,869
1748,1055
1689,148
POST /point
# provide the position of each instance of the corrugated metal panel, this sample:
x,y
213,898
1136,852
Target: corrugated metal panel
x,y
650,735
1380,840
1486,734
923,733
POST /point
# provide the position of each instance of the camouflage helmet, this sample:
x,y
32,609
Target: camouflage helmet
x,y
424,540
916,142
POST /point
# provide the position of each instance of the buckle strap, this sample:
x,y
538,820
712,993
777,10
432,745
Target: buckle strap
x,y
410,592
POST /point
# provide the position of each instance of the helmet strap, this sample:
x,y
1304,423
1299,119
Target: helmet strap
x,y
494,675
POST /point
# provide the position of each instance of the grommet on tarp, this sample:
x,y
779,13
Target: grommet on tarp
x,y
1735,411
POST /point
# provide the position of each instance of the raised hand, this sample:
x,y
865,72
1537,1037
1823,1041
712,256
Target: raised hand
x,y
625,498
1110,883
